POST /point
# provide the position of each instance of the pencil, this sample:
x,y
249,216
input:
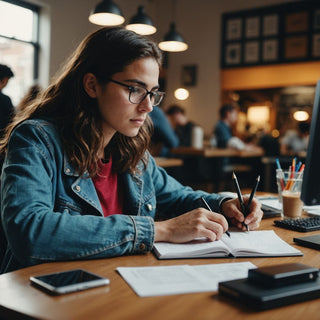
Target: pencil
x,y
208,207
243,209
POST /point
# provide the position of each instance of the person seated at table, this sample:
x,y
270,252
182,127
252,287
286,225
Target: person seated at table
x,y
223,131
163,138
295,141
78,181
180,123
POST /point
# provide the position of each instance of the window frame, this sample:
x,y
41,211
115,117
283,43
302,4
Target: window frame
x,y
35,42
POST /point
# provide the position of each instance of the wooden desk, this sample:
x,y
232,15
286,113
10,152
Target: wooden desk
x,y
209,152
19,300
168,162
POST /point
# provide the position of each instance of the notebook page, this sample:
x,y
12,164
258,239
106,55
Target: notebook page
x,y
258,243
195,248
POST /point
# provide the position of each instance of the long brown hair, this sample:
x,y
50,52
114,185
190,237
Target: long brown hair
x,y
104,52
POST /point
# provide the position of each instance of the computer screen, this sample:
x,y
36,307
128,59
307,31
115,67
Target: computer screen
x,y
310,193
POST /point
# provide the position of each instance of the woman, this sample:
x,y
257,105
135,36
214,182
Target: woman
x,y
78,182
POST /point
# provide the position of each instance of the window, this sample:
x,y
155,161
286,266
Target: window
x,y
19,45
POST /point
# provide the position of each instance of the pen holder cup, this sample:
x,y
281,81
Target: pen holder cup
x,y
289,191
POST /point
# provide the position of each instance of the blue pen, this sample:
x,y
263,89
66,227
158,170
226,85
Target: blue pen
x,y
298,166
278,164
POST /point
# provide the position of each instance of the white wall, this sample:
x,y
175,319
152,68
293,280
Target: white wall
x,y
198,21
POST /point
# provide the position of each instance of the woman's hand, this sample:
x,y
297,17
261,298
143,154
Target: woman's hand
x,y
193,224
231,209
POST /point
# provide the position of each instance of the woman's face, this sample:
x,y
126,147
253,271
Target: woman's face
x,y
118,113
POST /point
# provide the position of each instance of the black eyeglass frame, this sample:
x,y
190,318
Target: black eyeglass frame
x,y
131,88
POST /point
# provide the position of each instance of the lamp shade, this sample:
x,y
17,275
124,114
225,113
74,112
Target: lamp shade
x,y
106,13
141,23
173,41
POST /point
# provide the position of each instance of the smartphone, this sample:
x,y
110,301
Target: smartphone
x,y
68,281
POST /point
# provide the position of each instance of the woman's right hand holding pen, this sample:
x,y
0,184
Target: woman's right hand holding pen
x,y
232,210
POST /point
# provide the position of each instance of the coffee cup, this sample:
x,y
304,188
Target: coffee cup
x,y
289,189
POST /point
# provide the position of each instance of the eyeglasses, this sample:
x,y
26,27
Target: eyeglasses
x,y
138,94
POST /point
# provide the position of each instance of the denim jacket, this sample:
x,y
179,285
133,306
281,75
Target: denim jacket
x,y
50,213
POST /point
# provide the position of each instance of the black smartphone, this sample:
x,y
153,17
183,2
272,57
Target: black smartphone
x,y
68,281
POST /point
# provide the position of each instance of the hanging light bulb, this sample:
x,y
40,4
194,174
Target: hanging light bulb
x,y
181,94
141,23
173,41
106,13
301,115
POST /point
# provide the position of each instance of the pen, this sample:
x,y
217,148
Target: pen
x,y
243,209
253,193
208,207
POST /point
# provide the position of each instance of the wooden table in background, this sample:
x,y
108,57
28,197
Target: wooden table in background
x,y
168,162
209,152
20,300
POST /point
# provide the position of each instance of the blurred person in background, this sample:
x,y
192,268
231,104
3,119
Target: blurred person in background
x,y
295,141
163,138
6,107
181,125
224,131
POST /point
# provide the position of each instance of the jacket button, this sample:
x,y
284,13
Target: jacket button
x,y
68,170
142,247
149,206
78,188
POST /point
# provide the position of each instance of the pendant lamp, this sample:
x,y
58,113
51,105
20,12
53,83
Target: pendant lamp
x,y
173,41
106,13
141,23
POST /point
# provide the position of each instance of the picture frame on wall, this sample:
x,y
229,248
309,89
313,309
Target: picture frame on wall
x,y
251,52
297,22
270,49
234,29
252,27
189,75
316,45
233,54
270,25
277,34
316,21
296,47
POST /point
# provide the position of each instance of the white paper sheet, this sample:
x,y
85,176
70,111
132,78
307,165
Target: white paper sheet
x,y
181,279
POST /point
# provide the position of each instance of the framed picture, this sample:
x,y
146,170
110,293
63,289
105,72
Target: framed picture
x,y
251,52
270,50
297,22
284,33
296,47
316,23
270,25
189,75
234,29
316,45
233,54
252,27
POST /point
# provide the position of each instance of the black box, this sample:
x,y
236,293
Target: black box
x,y
259,297
283,274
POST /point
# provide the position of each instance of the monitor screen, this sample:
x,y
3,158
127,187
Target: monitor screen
x,y
310,193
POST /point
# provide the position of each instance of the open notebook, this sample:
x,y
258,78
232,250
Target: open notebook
x,y
241,244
